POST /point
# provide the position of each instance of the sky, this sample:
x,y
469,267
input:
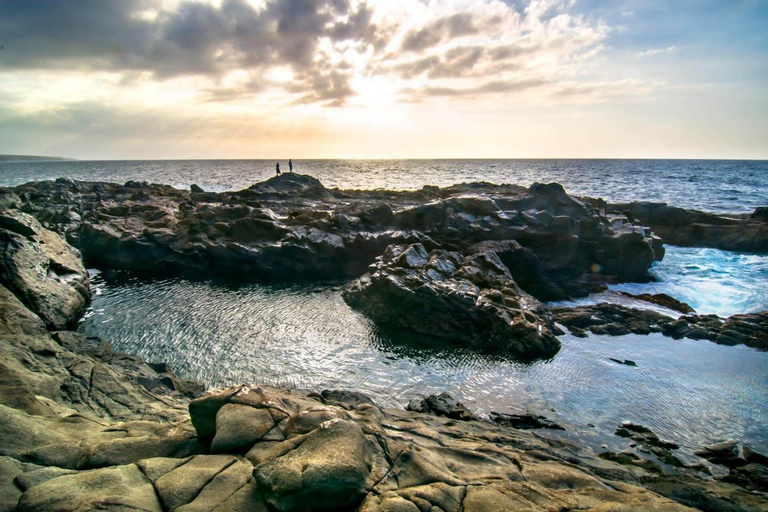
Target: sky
x,y
180,79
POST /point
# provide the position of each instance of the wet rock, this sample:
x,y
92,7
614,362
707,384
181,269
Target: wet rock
x,y
692,228
760,214
442,405
626,362
728,453
42,270
615,320
343,398
662,299
471,301
196,189
524,421
646,437
611,319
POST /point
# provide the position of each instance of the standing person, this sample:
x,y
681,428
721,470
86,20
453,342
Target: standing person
x,y
290,165
277,168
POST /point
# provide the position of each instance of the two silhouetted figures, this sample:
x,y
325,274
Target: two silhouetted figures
x,y
290,167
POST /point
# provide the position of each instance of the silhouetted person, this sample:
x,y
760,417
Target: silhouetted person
x,y
277,168
290,165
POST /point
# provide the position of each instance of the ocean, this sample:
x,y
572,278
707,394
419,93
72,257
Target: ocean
x,y
305,337
707,185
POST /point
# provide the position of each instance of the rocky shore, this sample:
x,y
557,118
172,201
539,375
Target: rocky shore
x,y
85,428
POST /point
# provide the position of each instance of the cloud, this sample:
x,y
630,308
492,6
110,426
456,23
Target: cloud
x,y
311,50
656,51
194,39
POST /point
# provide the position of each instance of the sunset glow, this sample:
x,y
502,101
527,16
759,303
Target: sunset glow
x,y
384,79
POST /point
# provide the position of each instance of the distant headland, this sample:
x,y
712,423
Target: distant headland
x,y
31,158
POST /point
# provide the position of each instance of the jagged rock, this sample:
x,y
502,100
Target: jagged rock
x,y
42,270
662,299
472,301
442,405
692,228
330,469
760,213
290,227
118,488
524,421
612,319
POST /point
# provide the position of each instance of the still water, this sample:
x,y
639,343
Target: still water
x,y
692,392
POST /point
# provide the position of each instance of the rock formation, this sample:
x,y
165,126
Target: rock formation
x,y
472,301
691,228
291,227
83,427
750,329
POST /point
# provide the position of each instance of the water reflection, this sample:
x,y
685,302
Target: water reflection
x,y
692,392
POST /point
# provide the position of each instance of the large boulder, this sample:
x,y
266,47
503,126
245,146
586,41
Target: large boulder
x,y
330,470
42,270
470,301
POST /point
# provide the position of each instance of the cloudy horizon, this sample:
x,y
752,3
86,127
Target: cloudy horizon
x,y
154,79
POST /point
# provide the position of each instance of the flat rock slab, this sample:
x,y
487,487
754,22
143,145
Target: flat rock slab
x,y
117,488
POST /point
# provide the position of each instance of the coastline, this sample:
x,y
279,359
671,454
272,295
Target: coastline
x,y
122,425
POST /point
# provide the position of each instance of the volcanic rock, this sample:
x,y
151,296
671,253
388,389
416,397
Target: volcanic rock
x,y
471,301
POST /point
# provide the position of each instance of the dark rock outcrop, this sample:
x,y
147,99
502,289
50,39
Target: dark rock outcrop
x,y
747,467
612,319
692,228
524,421
471,301
441,405
291,227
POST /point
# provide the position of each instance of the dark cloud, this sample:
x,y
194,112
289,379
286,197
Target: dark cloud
x,y
464,61
490,87
195,39
447,28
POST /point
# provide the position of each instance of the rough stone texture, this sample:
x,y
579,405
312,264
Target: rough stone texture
x,y
691,228
471,301
69,403
238,427
329,470
291,227
119,488
42,270
185,483
612,319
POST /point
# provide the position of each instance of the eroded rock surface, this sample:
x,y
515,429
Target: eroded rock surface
x,y
691,228
472,301
45,273
612,319
83,427
291,227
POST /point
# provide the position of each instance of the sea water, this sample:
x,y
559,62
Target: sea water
x,y
708,185
692,392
